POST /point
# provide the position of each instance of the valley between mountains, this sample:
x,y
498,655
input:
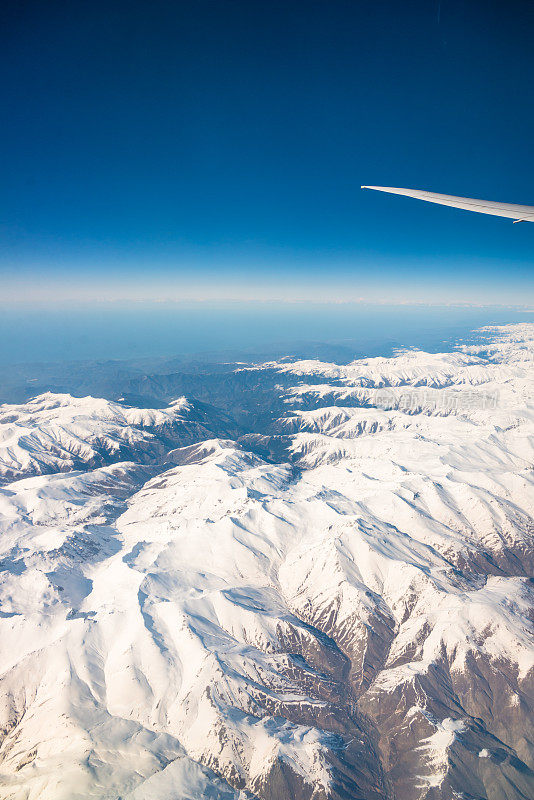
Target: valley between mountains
x,y
294,580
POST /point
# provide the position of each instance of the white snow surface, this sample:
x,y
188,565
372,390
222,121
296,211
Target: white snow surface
x,y
57,432
143,610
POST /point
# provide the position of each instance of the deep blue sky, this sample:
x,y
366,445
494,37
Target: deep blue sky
x,y
153,149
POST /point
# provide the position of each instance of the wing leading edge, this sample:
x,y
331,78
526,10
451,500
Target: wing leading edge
x,y
511,210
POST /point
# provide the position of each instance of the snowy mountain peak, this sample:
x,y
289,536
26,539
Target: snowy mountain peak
x,y
334,602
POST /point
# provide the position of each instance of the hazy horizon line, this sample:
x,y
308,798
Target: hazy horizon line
x,y
24,302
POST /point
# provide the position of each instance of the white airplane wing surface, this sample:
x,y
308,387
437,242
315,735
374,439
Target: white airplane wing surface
x,y
516,212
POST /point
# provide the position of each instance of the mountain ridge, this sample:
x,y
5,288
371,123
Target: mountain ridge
x,y
333,602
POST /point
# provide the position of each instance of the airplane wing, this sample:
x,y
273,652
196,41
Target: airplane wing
x,y
511,210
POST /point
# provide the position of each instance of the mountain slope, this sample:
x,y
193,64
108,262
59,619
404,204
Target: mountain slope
x,y
337,605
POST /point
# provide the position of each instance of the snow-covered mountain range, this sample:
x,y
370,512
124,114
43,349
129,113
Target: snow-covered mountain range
x,y
301,581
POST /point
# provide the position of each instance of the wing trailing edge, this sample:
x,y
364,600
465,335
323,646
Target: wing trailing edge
x,y
511,210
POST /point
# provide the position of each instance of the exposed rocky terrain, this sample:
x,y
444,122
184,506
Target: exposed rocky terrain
x,y
301,581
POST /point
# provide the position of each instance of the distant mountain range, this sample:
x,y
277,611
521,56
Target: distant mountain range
x,y
288,580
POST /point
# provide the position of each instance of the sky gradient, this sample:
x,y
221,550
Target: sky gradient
x,y
215,150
